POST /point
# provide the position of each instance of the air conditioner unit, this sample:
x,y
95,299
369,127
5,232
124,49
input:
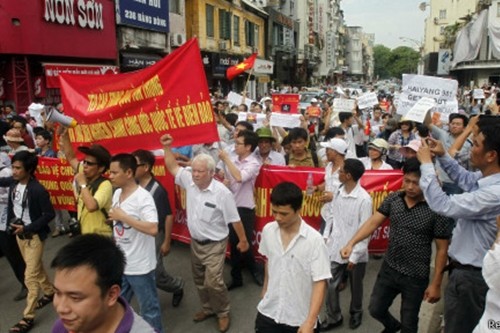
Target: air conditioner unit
x,y
177,39
222,45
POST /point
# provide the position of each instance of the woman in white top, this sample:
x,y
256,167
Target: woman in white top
x,y
377,149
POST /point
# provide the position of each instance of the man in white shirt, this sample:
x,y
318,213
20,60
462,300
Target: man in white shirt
x,y
297,267
351,206
135,225
210,208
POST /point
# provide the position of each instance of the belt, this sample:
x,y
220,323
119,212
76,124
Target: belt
x,y
456,265
205,241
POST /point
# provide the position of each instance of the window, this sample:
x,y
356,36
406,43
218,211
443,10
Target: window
x,y
174,6
442,30
249,33
278,35
236,30
224,24
210,20
442,14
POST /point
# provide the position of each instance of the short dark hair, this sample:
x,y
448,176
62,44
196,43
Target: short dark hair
x,y
44,134
343,116
287,193
245,124
126,161
333,132
218,103
490,127
249,138
454,116
89,250
20,119
412,165
423,131
29,161
354,167
244,106
231,118
298,133
145,156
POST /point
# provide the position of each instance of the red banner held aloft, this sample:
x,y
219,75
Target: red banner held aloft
x,y
286,103
130,111
56,176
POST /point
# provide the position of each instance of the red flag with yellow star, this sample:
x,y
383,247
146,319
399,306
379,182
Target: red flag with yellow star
x,y
245,65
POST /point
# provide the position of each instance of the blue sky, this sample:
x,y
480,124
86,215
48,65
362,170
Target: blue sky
x,y
387,19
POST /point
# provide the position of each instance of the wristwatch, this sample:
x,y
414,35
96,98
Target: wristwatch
x,y
83,186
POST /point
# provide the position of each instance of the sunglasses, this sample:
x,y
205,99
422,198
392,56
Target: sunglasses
x,y
85,162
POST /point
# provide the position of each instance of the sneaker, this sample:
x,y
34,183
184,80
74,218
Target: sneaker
x,y
22,294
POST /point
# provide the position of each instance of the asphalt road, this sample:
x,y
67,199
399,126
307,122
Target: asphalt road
x,y
243,300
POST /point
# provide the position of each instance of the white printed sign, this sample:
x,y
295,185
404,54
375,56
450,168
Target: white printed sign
x,y
419,110
256,119
367,100
478,94
285,120
343,105
443,91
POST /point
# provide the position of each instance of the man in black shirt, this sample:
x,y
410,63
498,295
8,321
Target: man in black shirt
x,y
405,269
145,178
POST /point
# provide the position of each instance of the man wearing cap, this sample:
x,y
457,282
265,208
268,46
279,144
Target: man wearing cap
x,y
456,126
377,149
336,150
94,192
264,152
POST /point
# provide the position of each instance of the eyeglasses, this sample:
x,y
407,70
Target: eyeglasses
x,y
85,162
239,143
141,164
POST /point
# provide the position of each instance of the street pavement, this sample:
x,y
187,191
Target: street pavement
x,y
176,320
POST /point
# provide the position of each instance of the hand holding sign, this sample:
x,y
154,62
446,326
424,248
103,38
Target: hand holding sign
x,y
419,110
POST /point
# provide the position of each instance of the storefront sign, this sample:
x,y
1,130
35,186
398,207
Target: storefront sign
x,y
52,71
222,62
262,66
138,61
147,14
87,14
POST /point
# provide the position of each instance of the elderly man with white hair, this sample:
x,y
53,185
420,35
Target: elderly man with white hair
x,y
210,208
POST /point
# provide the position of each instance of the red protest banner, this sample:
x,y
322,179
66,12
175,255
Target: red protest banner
x,y
56,176
133,109
286,103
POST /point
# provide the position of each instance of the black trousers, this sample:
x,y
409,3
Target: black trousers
x,y
238,259
265,324
10,249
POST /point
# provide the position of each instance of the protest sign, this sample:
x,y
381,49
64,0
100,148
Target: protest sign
x,y
367,100
419,110
443,91
313,111
134,109
285,120
56,176
256,119
286,103
343,105
237,99
478,94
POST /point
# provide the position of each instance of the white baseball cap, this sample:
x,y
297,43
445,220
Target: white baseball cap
x,y
339,145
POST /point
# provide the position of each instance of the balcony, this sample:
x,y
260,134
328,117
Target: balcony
x,y
477,64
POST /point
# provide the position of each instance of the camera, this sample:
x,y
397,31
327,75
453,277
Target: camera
x,y
14,221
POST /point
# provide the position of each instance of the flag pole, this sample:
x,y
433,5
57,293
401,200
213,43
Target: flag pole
x,y
246,86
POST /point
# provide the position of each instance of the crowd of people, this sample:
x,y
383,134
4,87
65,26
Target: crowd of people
x,y
450,197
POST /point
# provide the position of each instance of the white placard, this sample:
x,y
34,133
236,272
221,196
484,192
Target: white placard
x,y
419,110
367,100
343,104
285,120
443,91
237,99
478,94
256,119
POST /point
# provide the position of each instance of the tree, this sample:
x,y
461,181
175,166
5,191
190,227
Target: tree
x,y
381,57
403,60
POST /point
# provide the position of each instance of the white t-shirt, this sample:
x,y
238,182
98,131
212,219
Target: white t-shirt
x,y
4,199
139,248
17,199
292,273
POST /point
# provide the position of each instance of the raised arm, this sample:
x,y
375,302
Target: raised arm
x,y
170,161
67,149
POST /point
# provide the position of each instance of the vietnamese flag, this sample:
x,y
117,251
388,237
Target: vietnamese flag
x,y
236,70
368,127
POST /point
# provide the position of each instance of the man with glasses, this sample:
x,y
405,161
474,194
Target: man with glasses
x,y
93,191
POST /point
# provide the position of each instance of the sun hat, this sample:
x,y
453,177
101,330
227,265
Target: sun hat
x,y
13,135
265,133
379,144
100,153
413,145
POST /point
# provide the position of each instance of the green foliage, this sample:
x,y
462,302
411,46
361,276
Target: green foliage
x,y
396,62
